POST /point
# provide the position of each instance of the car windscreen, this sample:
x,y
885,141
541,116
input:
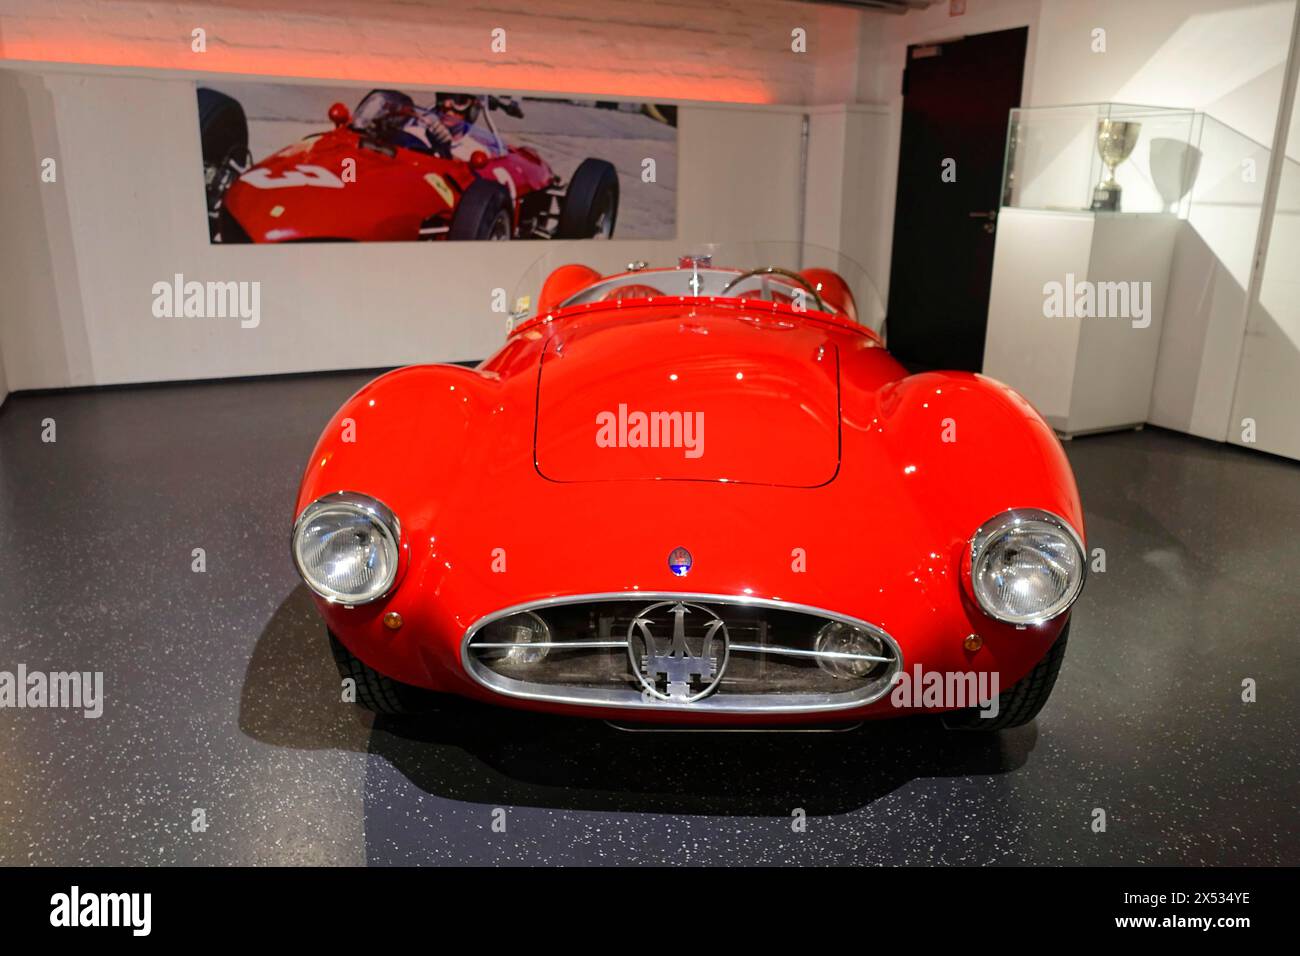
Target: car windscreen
x,y
381,112
791,273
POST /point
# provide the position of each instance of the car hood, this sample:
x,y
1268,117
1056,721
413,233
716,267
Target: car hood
x,y
732,398
339,186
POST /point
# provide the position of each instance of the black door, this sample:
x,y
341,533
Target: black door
x,y
956,98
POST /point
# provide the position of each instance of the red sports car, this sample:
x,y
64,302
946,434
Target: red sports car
x,y
698,494
393,170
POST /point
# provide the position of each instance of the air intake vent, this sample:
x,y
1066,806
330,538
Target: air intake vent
x,y
682,651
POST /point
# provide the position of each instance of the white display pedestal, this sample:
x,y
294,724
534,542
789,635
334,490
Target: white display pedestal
x,y
1083,374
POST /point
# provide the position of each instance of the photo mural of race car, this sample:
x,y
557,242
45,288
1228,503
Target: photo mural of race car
x,y
393,170
698,493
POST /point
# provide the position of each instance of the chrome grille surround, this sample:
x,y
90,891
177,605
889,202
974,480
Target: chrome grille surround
x,y
724,700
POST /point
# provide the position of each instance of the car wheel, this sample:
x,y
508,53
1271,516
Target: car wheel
x,y
590,202
1020,704
483,213
378,692
223,133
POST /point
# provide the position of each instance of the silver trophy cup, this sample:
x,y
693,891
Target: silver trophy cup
x,y
1115,142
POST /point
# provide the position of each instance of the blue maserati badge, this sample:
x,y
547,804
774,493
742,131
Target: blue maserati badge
x,y
679,562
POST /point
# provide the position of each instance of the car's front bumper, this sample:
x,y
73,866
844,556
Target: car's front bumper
x,y
592,671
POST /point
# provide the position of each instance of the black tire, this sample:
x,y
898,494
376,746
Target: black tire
x,y
1020,704
378,692
482,212
592,192
223,133
223,128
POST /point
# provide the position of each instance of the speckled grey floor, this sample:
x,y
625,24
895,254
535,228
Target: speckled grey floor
x,y
221,695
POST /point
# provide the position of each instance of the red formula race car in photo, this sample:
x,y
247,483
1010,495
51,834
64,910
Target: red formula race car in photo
x,y
697,493
392,171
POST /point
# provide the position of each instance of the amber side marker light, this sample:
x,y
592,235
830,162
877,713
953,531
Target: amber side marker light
x,y
973,642
392,620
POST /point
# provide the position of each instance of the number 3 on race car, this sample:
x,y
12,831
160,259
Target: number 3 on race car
x,y
298,176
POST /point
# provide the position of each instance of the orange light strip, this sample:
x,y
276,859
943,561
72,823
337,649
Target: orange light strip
x,y
669,82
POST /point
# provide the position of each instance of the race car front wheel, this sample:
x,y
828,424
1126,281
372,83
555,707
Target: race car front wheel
x,y
590,202
223,133
484,213
1020,704
378,692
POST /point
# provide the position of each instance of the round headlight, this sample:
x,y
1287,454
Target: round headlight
x,y
345,546
848,652
1027,566
514,639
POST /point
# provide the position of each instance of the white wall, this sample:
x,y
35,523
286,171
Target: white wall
x,y
1266,405
845,192
40,311
883,83
1223,57
735,51
1204,319
127,211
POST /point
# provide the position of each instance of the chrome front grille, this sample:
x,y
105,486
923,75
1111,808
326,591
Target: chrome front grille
x,y
682,651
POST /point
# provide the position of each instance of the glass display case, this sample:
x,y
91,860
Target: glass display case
x,y
1101,157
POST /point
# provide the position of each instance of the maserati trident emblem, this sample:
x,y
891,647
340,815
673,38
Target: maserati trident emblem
x,y
679,562
685,666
